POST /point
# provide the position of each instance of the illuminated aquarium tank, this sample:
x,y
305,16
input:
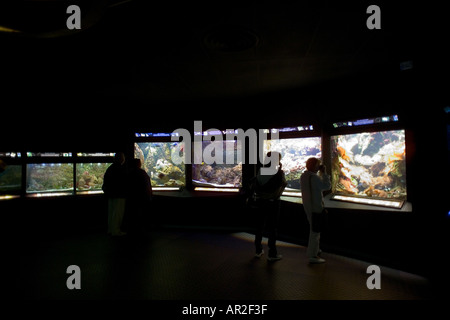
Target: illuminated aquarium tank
x,y
294,153
11,180
89,176
157,162
369,164
49,177
225,174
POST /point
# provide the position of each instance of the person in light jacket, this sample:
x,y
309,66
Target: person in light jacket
x,y
313,201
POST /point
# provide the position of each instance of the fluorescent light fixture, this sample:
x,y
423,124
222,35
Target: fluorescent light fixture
x,y
8,197
217,189
375,202
165,188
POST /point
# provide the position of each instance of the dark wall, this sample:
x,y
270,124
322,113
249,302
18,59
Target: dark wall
x,y
52,117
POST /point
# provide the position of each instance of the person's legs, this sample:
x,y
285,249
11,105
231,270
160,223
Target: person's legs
x,y
110,215
117,216
313,244
259,229
121,212
272,223
313,249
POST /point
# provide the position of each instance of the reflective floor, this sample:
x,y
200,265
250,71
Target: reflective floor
x,y
198,265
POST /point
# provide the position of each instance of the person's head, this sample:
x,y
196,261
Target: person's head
x,y
119,158
137,163
272,156
313,164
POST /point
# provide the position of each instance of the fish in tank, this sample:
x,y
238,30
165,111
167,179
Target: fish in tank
x,y
156,160
228,173
49,177
369,164
294,153
11,180
89,176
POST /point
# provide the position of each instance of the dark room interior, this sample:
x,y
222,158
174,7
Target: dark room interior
x,y
136,71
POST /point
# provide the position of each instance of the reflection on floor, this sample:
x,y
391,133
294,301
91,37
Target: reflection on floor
x,y
188,265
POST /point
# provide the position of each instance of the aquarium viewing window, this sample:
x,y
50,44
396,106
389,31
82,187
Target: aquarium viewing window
x,y
10,181
90,170
369,165
51,174
89,177
10,175
223,175
156,160
49,179
294,153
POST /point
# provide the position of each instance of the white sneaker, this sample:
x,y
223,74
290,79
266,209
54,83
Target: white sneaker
x,y
275,258
258,255
316,260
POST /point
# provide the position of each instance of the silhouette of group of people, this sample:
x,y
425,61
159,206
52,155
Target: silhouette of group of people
x,y
128,190
267,191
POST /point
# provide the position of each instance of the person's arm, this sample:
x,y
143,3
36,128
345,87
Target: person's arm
x,y
105,186
148,186
282,183
283,180
322,182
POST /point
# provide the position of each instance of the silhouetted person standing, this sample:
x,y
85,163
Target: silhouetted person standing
x,y
313,182
268,190
139,197
115,188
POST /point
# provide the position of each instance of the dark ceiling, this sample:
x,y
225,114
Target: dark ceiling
x,y
179,61
195,49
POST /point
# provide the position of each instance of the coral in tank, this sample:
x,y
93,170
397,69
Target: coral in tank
x,y
370,164
49,177
89,176
11,179
294,153
226,173
157,162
